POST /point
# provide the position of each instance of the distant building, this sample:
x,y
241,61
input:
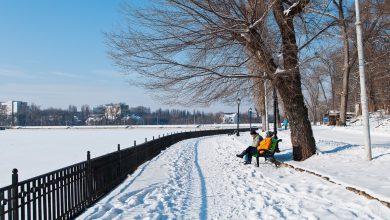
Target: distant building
x,y
229,118
14,107
113,111
15,112
107,114
332,117
96,119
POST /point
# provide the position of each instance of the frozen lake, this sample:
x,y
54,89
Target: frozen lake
x,y
35,151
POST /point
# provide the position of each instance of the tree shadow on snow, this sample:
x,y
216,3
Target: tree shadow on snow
x,y
374,158
381,147
338,149
284,156
287,155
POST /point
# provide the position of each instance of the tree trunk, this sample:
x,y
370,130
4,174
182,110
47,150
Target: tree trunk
x,y
259,97
324,94
279,123
301,132
346,65
289,87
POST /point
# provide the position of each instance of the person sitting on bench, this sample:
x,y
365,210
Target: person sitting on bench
x,y
257,138
264,144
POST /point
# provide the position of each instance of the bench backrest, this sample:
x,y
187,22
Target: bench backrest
x,y
275,143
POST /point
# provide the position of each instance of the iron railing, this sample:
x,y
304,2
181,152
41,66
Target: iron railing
x,y
67,192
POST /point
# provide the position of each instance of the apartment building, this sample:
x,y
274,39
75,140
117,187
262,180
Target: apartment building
x,y
13,112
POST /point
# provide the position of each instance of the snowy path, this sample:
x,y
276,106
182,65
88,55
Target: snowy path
x,y
202,179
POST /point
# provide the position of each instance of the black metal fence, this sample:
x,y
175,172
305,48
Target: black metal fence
x,y
67,192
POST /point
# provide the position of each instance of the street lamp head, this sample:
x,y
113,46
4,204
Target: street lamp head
x,y
238,101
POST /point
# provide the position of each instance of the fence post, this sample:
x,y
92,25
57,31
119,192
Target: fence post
x,y
119,161
2,204
89,179
135,143
14,194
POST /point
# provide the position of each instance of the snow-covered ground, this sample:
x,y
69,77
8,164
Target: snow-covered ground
x,y
202,179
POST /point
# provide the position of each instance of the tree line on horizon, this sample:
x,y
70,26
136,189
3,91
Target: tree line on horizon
x,y
33,115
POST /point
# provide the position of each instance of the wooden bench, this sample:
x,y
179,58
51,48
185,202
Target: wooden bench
x,y
268,153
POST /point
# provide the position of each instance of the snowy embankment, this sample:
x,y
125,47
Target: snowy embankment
x,y
341,157
202,179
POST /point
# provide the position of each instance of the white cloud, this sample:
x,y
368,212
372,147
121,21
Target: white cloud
x,y
65,75
13,72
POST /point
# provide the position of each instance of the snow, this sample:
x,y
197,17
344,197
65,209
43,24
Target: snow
x,y
342,159
279,70
287,11
203,179
51,148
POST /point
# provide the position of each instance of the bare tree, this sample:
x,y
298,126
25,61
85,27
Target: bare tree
x,y
259,99
314,78
328,64
344,35
342,23
199,51
376,17
376,22
311,98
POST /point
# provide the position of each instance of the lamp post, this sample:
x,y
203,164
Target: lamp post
x,y
275,113
265,124
250,118
363,95
238,116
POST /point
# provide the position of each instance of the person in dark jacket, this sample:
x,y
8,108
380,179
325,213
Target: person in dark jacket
x,y
246,154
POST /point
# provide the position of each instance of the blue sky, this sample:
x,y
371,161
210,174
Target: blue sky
x,y
53,54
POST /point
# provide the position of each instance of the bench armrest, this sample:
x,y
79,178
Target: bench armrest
x,y
264,151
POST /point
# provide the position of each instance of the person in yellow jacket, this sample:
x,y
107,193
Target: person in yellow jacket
x,y
264,144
